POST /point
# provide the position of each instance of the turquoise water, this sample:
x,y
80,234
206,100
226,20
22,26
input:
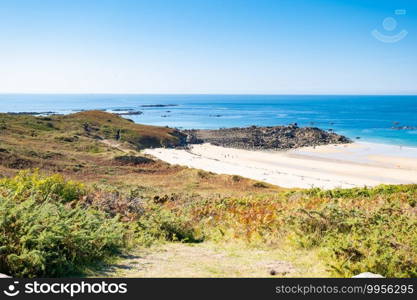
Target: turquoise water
x,y
368,117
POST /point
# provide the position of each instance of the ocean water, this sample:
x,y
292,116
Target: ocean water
x,y
364,118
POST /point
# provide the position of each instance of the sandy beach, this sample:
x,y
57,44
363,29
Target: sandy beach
x,y
330,166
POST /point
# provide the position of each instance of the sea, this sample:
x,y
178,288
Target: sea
x,y
378,119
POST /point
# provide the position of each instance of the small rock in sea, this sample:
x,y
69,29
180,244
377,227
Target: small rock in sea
x,y
129,113
123,109
358,137
272,272
368,275
158,105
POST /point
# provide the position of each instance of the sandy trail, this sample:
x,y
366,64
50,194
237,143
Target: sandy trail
x,y
212,260
330,166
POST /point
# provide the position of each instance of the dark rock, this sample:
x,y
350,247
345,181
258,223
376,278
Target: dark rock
x,y
182,138
129,113
158,105
86,127
123,109
192,137
133,160
274,137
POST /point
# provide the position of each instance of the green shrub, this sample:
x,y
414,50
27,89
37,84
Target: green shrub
x,y
260,185
382,241
43,237
30,184
159,223
381,190
237,178
357,230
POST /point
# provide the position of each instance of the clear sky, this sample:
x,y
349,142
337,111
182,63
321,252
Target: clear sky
x,y
212,46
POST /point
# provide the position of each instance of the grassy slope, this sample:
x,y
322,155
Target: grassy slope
x,y
340,229
60,144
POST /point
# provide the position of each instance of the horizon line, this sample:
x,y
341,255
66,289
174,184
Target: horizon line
x,y
216,94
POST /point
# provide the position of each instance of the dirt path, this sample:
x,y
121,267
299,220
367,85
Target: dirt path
x,y
116,145
210,260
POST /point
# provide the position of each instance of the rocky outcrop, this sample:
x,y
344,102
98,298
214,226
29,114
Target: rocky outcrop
x,y
182,138
276,137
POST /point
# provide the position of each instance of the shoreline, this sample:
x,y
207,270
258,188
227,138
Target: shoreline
x,y
331,166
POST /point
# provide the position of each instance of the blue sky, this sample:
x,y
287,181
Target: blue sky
x,y
256,47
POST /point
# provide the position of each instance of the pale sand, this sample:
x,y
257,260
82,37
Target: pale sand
x,y
331,166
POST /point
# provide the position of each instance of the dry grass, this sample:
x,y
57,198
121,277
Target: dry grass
x,y
217,260
61,144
